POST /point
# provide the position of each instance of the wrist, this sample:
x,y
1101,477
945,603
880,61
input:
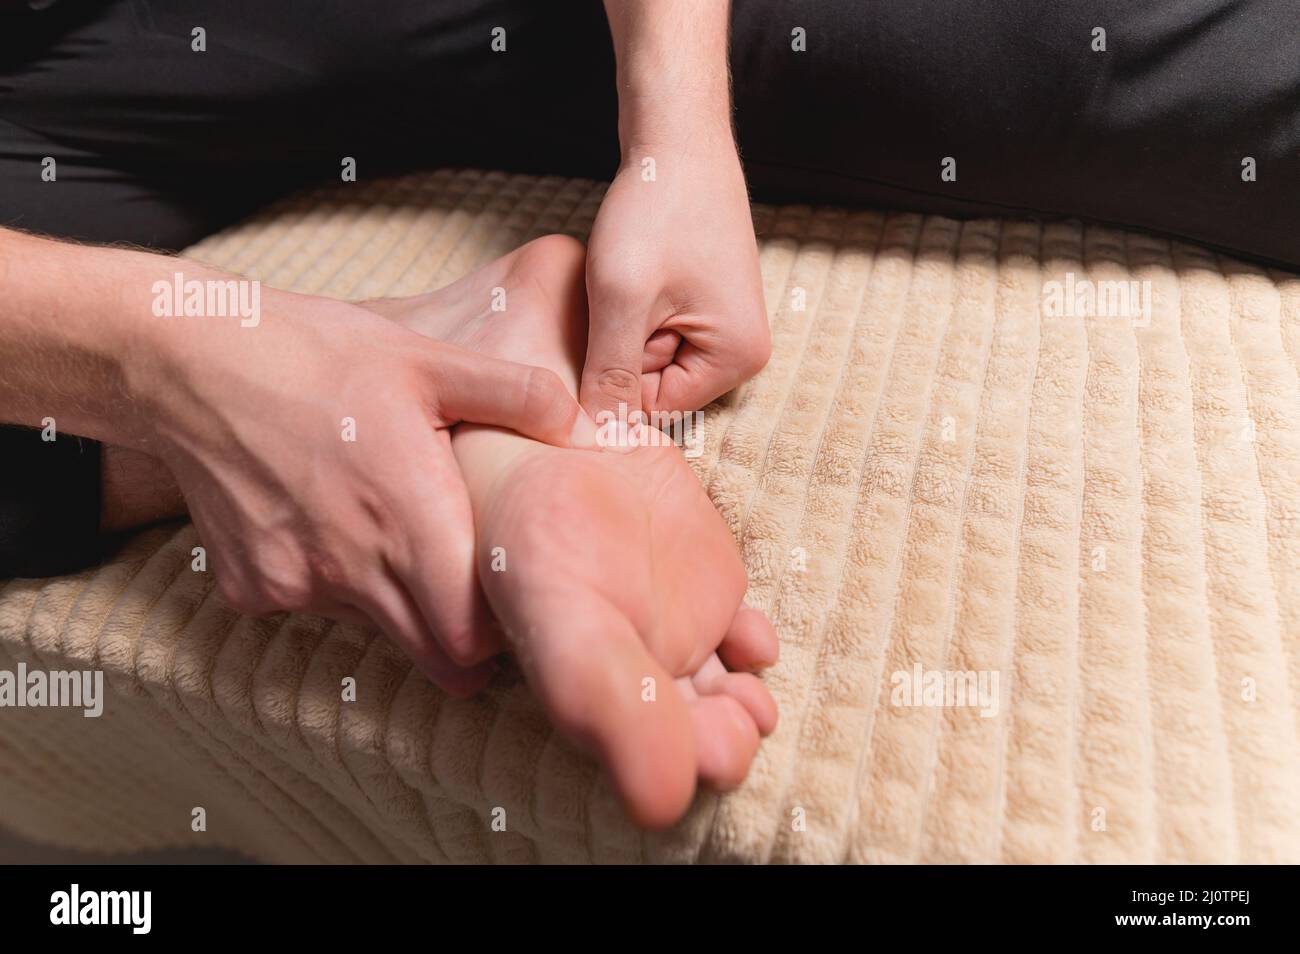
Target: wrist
x,y
158,344
192,377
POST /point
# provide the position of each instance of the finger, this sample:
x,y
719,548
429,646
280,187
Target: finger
x,y
751,643
660,349
616,343
695,378
531,400
396,613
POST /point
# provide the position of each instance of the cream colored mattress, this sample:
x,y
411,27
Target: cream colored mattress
x,y
1103,511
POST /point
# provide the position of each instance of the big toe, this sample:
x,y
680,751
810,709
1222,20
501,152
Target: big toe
x,y
750,643
603,690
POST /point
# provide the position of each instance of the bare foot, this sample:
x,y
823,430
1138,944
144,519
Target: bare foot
x,y
617,582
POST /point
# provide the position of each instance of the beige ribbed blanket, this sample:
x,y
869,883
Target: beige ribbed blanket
x,y
931,476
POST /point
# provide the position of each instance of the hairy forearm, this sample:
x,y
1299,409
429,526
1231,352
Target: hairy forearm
x,y
76,330
66,336
673,82
142,350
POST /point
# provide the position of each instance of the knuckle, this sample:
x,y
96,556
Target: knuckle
x,y
332,574
286,594
272,587
421,372
619,283
241,597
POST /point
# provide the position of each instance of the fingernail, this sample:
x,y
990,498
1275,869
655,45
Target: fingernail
x,y
625,439
583,435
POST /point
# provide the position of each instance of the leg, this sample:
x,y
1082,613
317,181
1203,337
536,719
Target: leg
x,y
1149,133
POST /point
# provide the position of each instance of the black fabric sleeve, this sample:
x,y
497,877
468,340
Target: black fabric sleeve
x,y
49,503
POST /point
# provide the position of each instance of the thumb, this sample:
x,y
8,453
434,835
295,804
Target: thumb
x,y
531,400
612,375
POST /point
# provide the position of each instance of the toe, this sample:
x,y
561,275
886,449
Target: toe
x,y
726,739
749,691
603,690
750,643
712,679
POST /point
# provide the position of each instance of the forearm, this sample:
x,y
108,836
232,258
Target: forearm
x,y
83,353
72,325
76,325
150,352
673,82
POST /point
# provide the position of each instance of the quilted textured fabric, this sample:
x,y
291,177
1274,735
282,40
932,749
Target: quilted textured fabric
x,y
936,473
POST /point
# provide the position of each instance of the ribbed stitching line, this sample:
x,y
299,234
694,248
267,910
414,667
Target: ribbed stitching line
x,y
722,441
1148,714
52,758
900,560
1246,392
201,732
384,228
999,819
817,650
337,229
1081,458
811,324
957,565
807,702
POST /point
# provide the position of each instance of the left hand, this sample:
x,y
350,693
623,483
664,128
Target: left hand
x,y
675,295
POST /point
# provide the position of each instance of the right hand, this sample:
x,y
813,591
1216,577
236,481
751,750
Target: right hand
x,y
294,516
